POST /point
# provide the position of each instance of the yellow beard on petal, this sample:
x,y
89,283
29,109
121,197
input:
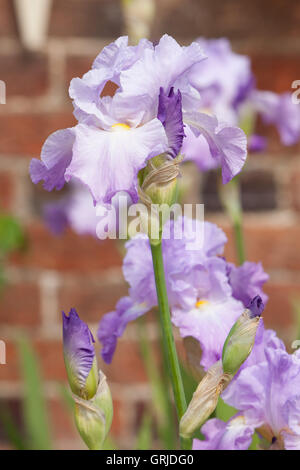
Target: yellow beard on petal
x,y
120,126
201,303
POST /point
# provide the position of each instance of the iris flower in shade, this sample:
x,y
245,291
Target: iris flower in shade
x,y
79,355
236,434
224,79
280,111
227,88
115,136
247,281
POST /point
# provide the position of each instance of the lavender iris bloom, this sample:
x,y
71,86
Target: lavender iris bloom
x,y
227,87
115,136
266,395
199,290
79,355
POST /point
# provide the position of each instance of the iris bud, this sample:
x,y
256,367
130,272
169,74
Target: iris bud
x,y
241,338
79,356
93,417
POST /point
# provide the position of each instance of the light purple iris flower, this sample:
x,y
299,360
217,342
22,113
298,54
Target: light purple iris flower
x,y
115,136
267,394
199,291
236,434
79,352
227,88
280,111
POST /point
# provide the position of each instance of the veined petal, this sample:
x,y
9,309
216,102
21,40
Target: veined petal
x,y
228,144
197,150
159,68
56,156
108,161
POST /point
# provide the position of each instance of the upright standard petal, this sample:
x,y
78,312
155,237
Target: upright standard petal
x,y
170,114
228,144
162,67
109,161
55,158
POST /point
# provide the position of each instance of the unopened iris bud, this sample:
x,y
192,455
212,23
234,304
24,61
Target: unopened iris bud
x,y
241,338
79,356
159,180
93,402
204,400
93,417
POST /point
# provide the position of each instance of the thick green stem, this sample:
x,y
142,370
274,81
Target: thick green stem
x,y
168,338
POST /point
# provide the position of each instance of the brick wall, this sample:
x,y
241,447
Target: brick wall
x,y
57,273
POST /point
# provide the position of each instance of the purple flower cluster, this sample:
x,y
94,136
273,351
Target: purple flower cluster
x,y
227,87
265,393
204,295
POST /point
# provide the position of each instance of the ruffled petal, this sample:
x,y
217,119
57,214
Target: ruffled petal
x,y
159,68
236,434
56,155
228,144
247,281
108,161
197,150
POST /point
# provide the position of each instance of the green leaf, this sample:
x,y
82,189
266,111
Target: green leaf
x,y
34,405
11,235
11,429
224,411
144,437
159,387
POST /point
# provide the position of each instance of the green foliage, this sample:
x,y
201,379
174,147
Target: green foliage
x,y
34,405
11,235
36,421
144,437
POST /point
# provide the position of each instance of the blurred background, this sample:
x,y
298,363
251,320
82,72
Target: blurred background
x,y
43,274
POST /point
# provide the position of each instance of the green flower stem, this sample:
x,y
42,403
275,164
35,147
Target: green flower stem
x,y
231,200
168,338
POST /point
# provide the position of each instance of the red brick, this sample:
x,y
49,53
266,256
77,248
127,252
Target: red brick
x,y
24,134
62,420
7,189
69,252
127,365
88,19
276,246
24,75
92,299
256,20
19,304
279,309
275,72
49,354
76,66
295,189
8,26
